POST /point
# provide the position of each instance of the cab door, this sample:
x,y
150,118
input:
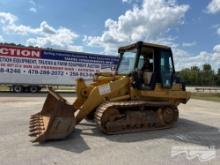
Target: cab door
x,y
166,68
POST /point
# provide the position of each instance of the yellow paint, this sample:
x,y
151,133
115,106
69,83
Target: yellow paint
x,y
89,97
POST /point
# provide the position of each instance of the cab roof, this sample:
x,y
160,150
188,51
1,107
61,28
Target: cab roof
x,y
143,44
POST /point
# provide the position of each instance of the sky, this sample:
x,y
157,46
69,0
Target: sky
x,y
191,28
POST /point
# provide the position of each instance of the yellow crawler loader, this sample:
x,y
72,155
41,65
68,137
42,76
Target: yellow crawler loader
x,y
143,94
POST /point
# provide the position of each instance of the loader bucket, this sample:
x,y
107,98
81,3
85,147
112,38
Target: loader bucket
x,y
55,121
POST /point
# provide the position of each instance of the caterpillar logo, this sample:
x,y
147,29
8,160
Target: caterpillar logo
x,y
20,52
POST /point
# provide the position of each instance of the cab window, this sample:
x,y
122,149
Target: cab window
x,y
166,68
127,62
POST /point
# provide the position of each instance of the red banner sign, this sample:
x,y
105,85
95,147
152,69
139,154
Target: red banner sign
x,y
14,51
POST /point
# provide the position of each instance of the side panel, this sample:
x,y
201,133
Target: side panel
x,y
20,65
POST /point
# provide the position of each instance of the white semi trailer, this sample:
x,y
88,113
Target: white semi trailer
x,y
30,69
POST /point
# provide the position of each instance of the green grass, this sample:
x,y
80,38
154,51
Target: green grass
x,y
66,88
4,88
207,96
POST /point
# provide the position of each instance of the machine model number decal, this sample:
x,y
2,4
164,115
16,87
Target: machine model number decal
x,y
104,89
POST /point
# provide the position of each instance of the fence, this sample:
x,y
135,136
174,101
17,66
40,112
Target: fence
x,y
208,89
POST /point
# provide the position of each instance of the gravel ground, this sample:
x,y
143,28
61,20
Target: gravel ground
x,y
194,140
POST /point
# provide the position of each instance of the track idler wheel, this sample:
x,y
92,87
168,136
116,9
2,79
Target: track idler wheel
x,y
169,114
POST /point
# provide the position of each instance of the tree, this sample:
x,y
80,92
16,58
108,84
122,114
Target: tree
x,y
185,76
207,75
200,77
218,77
207,67
195,75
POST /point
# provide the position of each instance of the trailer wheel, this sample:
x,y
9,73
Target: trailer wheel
x,y
33,89
17,89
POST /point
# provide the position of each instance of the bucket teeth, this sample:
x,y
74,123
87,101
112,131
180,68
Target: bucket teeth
x,y
32,120
33,130
34,140
36,129
35,121
34,134
34,117
36,125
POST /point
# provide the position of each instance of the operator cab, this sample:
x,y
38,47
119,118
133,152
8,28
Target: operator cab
x,y
148,64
